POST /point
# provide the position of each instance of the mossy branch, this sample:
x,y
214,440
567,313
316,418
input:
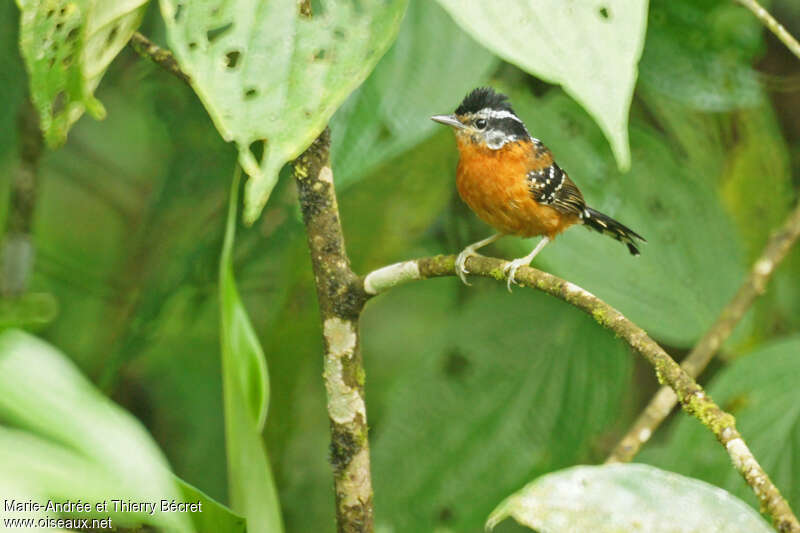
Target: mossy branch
x,y
17,248
692,397
665,399
161,57
341,300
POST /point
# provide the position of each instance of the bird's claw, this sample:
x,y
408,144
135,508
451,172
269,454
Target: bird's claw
x,y
461,264
510,271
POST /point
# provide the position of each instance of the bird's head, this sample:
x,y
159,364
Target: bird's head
x,y
485,117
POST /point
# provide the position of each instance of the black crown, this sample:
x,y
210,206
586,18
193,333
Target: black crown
x,y
481,98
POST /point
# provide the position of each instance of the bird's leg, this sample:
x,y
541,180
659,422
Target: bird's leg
x,y
469,251
511,268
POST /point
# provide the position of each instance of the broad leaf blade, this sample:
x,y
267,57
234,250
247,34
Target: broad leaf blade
x,y
269,75
390,112
245,389
630,497
508,388
701,53
70,440
67,46
591,50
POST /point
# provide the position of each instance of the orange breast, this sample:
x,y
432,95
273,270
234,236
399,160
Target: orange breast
x,y
493,183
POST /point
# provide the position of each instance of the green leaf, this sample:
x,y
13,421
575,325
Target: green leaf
x,y
693,260
761,390
590,49
389,113
67,46
245,396
270,76
69,441
626,497
215,516
701,53
509,387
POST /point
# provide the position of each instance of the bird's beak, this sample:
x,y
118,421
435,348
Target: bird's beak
x,y
448,120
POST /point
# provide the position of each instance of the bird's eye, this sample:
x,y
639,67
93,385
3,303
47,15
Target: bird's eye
x,y
480,123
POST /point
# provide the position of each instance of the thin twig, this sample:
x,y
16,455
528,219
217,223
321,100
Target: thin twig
x,y
161,57
341,299
690,394
665,399
773,25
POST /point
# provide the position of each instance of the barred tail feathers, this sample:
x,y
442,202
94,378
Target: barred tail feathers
x,y
608,226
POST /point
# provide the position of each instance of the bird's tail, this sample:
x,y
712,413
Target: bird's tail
x,y
608,226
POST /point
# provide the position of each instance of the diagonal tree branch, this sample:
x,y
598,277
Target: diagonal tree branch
x,y
161,57
17,249
341,299
776,250
773,25
665,399
692,397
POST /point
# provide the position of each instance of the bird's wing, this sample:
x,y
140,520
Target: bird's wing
x,y
549,185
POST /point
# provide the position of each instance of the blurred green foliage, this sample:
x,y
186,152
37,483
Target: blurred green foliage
x,y
470,392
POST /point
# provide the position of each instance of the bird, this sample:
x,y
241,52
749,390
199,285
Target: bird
x,y
511,181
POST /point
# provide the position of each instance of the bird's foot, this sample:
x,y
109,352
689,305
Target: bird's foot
x,y
461,263
511,269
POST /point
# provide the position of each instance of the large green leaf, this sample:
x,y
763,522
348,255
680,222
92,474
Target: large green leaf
x,y
389,113
67,45
700,52
693,260
507,388
631,497
761,390
245,388
272,77
591,49
70,442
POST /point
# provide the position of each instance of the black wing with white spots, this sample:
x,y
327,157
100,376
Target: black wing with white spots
x,y
551,186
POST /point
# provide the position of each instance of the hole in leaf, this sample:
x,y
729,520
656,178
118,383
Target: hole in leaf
x,y
232,59
192,45
62,11
51,62
215,33
73,33
67,61
604,13
250,93
51,13
59,26
257,148
318,55
59,102
178,12
112,35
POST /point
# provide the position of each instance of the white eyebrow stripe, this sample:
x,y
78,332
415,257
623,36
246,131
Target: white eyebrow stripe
x,y
498,113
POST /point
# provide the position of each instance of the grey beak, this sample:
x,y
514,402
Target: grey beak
x,y
448,120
